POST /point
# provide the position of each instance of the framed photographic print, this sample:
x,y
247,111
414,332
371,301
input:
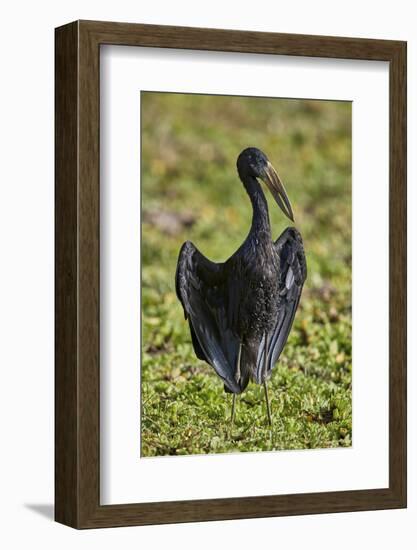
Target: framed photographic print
x,y
230,274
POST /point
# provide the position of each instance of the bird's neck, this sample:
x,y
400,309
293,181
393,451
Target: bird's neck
x,y
260,217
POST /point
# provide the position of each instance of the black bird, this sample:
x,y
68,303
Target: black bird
x,y
240,312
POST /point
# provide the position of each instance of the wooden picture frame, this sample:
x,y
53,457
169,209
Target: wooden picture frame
x,y
77,374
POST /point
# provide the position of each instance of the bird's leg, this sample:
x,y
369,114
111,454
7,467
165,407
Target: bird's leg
x,y
232,418
237,378
268,407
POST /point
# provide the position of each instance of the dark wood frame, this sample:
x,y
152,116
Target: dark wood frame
x,y
77,274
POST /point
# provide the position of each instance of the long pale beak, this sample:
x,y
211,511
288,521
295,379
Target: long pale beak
x,y
275,185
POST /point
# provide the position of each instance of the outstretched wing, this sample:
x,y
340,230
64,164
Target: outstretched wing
x,y
200,286
292,274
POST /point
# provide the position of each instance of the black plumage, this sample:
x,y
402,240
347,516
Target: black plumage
x,y
240,312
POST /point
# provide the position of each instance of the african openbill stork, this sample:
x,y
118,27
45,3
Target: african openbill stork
x,y
240,312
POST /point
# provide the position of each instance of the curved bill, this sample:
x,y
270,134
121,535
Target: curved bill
x,y
275,185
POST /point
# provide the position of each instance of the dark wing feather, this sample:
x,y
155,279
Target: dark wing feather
x,y
292,274
200,286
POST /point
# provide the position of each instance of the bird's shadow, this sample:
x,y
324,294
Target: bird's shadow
x,y
45,510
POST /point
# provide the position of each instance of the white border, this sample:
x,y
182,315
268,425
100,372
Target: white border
x,y
126,478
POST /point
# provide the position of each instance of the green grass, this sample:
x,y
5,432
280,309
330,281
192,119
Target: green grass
x,y
190,191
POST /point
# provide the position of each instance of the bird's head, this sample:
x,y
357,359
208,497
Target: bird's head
x,y
254,163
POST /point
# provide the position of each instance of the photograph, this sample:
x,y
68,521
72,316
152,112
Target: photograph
x,y
246,274
208,267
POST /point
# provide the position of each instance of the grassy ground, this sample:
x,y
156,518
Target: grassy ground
x,y
190,191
